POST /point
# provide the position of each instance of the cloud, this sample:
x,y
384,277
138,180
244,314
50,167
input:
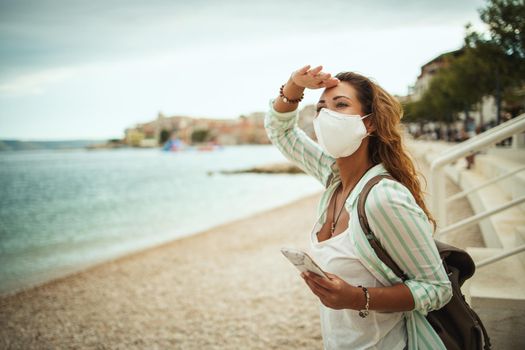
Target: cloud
x,y
96,68
38,35
35,83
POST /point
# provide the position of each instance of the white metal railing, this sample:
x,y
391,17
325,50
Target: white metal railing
x,y
474,219
498,257
485,184
471,146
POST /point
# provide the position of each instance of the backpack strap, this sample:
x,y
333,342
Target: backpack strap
x,y
372,239
457,256
486,338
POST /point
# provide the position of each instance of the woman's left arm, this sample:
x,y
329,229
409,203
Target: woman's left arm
x,y
337,294
406,234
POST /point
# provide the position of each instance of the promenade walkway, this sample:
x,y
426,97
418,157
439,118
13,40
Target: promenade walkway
x,y
497,291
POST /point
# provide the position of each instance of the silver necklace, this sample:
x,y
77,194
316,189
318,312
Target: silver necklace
x,y
332,229
336,219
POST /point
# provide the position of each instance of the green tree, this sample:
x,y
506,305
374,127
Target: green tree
x,y
503,52
164,136
506,22
200,135
488,65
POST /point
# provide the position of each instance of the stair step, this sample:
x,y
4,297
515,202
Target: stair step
x,y
498,285
492,166
520,240
498,230
515,155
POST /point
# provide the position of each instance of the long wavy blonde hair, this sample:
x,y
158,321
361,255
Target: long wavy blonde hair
x,y
387,145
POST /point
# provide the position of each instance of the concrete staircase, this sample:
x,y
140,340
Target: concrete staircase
x,y
496,291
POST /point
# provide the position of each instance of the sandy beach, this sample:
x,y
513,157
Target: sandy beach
x,y
225,288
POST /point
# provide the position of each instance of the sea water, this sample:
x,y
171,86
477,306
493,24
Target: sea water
x,y
61,211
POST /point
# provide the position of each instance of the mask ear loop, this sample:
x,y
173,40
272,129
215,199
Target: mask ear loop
x,y
367,133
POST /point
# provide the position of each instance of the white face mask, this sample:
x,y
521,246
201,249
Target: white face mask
x,y
339,134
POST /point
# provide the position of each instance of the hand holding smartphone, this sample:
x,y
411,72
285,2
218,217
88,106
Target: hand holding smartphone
x,y
303,261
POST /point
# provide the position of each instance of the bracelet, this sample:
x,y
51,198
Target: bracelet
x,y
364,313
286,99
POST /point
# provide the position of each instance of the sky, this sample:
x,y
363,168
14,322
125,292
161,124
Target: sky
x,y
73,69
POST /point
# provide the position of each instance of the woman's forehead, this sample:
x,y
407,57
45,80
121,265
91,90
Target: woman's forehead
x,y
341,89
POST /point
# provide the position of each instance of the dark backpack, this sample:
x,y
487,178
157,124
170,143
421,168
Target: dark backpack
x,y
458,326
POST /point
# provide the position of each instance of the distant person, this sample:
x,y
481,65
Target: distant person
x,y
363,305
470,131
450,134
505,117
471,127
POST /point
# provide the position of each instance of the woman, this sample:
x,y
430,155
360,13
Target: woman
x,y
364,305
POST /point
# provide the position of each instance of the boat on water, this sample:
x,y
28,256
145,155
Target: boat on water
x,y
210,147
174,145
177,145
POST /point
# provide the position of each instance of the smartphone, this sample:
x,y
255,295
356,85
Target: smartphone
x,y
302,261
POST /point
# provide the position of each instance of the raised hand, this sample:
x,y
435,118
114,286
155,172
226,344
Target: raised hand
x,y
313,78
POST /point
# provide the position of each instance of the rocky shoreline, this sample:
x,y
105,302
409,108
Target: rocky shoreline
x,y
273,168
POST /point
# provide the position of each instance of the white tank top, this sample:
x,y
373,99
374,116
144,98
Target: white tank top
x,y
345,329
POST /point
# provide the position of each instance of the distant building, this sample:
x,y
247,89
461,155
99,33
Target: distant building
x,y
485,111
402,99
429,70
247,129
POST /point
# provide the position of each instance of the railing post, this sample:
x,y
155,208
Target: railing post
x,y
437,183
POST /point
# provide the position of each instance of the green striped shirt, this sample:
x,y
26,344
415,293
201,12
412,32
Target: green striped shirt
x,y
394,216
